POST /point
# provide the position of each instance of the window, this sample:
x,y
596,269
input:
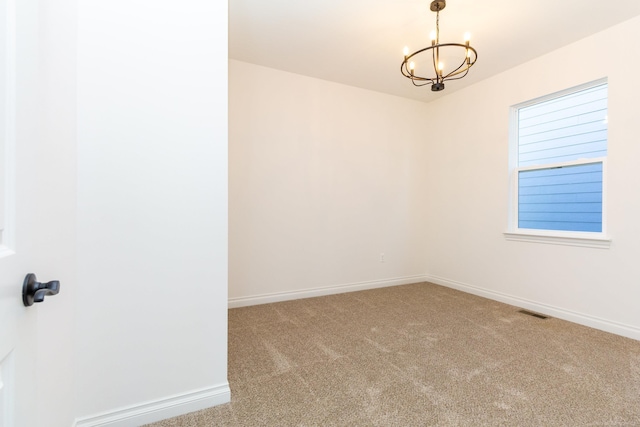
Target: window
x,y
558,153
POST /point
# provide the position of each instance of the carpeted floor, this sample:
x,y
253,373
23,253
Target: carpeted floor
x,y
420,355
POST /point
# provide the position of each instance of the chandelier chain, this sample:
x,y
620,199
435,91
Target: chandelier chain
x,y
438,27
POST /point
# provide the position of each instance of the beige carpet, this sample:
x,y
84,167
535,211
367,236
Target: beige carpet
x,y
420,355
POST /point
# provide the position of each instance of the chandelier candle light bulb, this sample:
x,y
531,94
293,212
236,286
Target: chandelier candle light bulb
x,y
434,52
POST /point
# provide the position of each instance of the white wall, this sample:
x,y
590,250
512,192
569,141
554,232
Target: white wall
x,y
152,209
56,174
468,187
323,179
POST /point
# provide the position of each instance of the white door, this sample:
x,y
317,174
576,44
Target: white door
x,y
27,225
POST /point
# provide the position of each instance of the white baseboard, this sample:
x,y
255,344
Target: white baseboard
x,y
560,313
328,290
150,412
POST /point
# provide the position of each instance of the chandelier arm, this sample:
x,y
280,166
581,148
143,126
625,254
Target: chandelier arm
x,y
403,67
434,60
405,72
456,72
414,78
452,75
464,62
458,78
422,79
423,84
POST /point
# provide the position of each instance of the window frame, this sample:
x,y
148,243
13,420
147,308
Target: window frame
x,y
559,237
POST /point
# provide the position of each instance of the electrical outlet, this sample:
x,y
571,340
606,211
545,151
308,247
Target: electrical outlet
x,y
382,257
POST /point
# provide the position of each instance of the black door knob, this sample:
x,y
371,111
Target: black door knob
x,y
34,291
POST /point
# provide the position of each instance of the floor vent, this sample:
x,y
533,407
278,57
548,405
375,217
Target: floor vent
x,y
530,313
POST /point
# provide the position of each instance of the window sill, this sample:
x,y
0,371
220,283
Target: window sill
x,y
591,240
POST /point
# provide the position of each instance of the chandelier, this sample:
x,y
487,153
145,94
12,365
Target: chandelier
x,y
432,58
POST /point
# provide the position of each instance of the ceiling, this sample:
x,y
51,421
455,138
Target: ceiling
x,y
360,42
